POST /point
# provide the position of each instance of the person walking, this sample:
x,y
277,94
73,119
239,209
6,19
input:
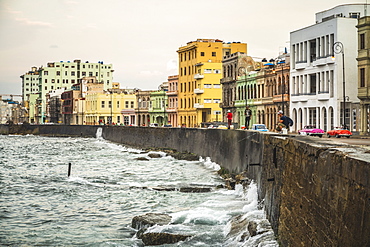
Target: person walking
x,y
248,115
229,118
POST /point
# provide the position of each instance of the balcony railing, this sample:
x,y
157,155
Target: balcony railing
x,y
198,91
198,76
197,105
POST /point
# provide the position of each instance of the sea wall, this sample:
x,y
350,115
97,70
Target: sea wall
x,y
316,192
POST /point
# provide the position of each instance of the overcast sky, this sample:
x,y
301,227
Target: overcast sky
x,y
140,37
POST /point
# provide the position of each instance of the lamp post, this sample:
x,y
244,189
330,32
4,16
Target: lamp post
x,y
339,48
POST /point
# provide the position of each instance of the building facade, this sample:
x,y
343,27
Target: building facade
x,y
323,71
199,87
142,110
63,74
172,104
363,63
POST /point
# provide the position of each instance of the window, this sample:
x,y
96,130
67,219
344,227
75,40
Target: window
x,y
207,85
207,101
73,73
103,104
202,54
132,104
118,119
126,104
117,104
216,101
58,73
362,41
213,54
207,71
217,71
83,73
126,120
362,77
96,74
355,15
66,73
46,80
216,85
52,80
109,104
46,72
90,73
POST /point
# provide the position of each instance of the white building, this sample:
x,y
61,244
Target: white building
x,y
317,82
62,75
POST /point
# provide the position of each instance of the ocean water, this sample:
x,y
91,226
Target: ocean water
x,y
41,206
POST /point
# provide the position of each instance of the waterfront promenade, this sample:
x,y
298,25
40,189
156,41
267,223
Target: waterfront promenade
x,y
316,191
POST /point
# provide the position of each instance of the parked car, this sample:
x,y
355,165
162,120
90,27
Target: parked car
x,y
259,127
311,131
153,125
338,132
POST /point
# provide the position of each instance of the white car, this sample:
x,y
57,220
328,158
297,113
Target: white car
x,y
259,127
153,125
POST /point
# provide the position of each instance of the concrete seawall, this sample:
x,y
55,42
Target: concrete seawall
x,y
316,192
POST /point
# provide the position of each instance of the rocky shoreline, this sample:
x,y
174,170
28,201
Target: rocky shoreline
x,y
142,223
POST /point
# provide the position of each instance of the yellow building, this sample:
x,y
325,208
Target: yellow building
x,y
107,107
199,87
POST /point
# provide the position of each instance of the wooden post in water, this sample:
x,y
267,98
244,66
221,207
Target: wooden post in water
x,y
69,169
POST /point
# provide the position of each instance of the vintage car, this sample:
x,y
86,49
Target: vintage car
x,y
311,131
338,132
259,127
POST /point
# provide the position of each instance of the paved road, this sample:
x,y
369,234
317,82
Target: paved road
x,y
354,140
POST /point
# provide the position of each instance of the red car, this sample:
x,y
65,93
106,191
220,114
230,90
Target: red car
x,y
339,132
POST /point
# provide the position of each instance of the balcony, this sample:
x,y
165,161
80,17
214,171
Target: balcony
x,y
320,61
323,95
171,93
300,65
197,105
198,76
198,91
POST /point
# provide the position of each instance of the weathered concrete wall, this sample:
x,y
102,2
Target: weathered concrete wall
x,y
322,189
316,192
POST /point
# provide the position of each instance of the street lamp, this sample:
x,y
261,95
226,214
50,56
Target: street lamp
x,y
339,48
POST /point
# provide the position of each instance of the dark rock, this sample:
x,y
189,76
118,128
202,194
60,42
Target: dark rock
x,y
185,156
154,155
195,189
230,183
150,219
142,158
252,228
159,238
163,188
238,224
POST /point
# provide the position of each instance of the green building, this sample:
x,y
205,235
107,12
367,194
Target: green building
x,y
157,109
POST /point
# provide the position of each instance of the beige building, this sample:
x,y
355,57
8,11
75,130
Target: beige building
x,y
172,98
363,63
